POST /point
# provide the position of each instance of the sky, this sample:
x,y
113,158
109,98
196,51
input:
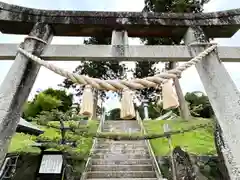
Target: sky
x,y
190,80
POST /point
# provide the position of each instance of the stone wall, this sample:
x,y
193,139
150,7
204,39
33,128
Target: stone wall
x,y
209,167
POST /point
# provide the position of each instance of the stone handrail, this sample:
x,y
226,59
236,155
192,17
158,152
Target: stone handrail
x,y
89,161
7,170
91,23
155,163
3,167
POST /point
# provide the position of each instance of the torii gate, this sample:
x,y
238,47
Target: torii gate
x,y
42,25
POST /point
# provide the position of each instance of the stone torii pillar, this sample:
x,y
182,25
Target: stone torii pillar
x,y
18,83
223,95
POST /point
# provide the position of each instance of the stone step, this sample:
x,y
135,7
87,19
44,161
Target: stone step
x,y
120,122
120,145
121,162
122,168
124,179
113,156
121,174
126,124
122,127
121,151
115,124
122,130
104,141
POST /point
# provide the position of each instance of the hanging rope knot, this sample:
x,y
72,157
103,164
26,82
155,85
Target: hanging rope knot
x,y
170,98
87,102
127,106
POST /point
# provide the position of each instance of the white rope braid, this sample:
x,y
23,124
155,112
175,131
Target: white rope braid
x,y
116,85
35,38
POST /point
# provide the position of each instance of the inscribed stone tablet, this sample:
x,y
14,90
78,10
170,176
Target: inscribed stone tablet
x,y
51,164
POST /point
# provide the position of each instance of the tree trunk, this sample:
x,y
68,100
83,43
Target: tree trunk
x,y
184,110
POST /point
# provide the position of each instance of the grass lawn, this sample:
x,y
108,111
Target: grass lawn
x,y
22,142
198,142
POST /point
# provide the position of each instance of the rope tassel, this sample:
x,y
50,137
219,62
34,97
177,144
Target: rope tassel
x,y
127,107
87,102
170,99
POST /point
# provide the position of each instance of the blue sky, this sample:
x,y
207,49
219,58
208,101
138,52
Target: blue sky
x,y
190,80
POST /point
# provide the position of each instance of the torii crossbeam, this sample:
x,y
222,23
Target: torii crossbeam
x,y
162,53
42,25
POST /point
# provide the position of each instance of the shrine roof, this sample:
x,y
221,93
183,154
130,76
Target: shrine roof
x,y
28,128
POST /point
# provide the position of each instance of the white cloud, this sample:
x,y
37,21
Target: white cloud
x,y
46,78
190,80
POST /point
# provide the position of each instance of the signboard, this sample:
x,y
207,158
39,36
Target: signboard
x,y
51,164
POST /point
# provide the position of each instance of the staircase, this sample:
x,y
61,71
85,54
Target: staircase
x,y
128,160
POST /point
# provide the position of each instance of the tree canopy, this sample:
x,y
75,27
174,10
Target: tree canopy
x,y
47,100
198,104
114,114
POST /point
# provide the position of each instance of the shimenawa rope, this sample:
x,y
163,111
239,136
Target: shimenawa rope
x,y
116,85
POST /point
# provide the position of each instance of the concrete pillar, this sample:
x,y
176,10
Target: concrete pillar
x,y
145,108
184,110
18,83
223,95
